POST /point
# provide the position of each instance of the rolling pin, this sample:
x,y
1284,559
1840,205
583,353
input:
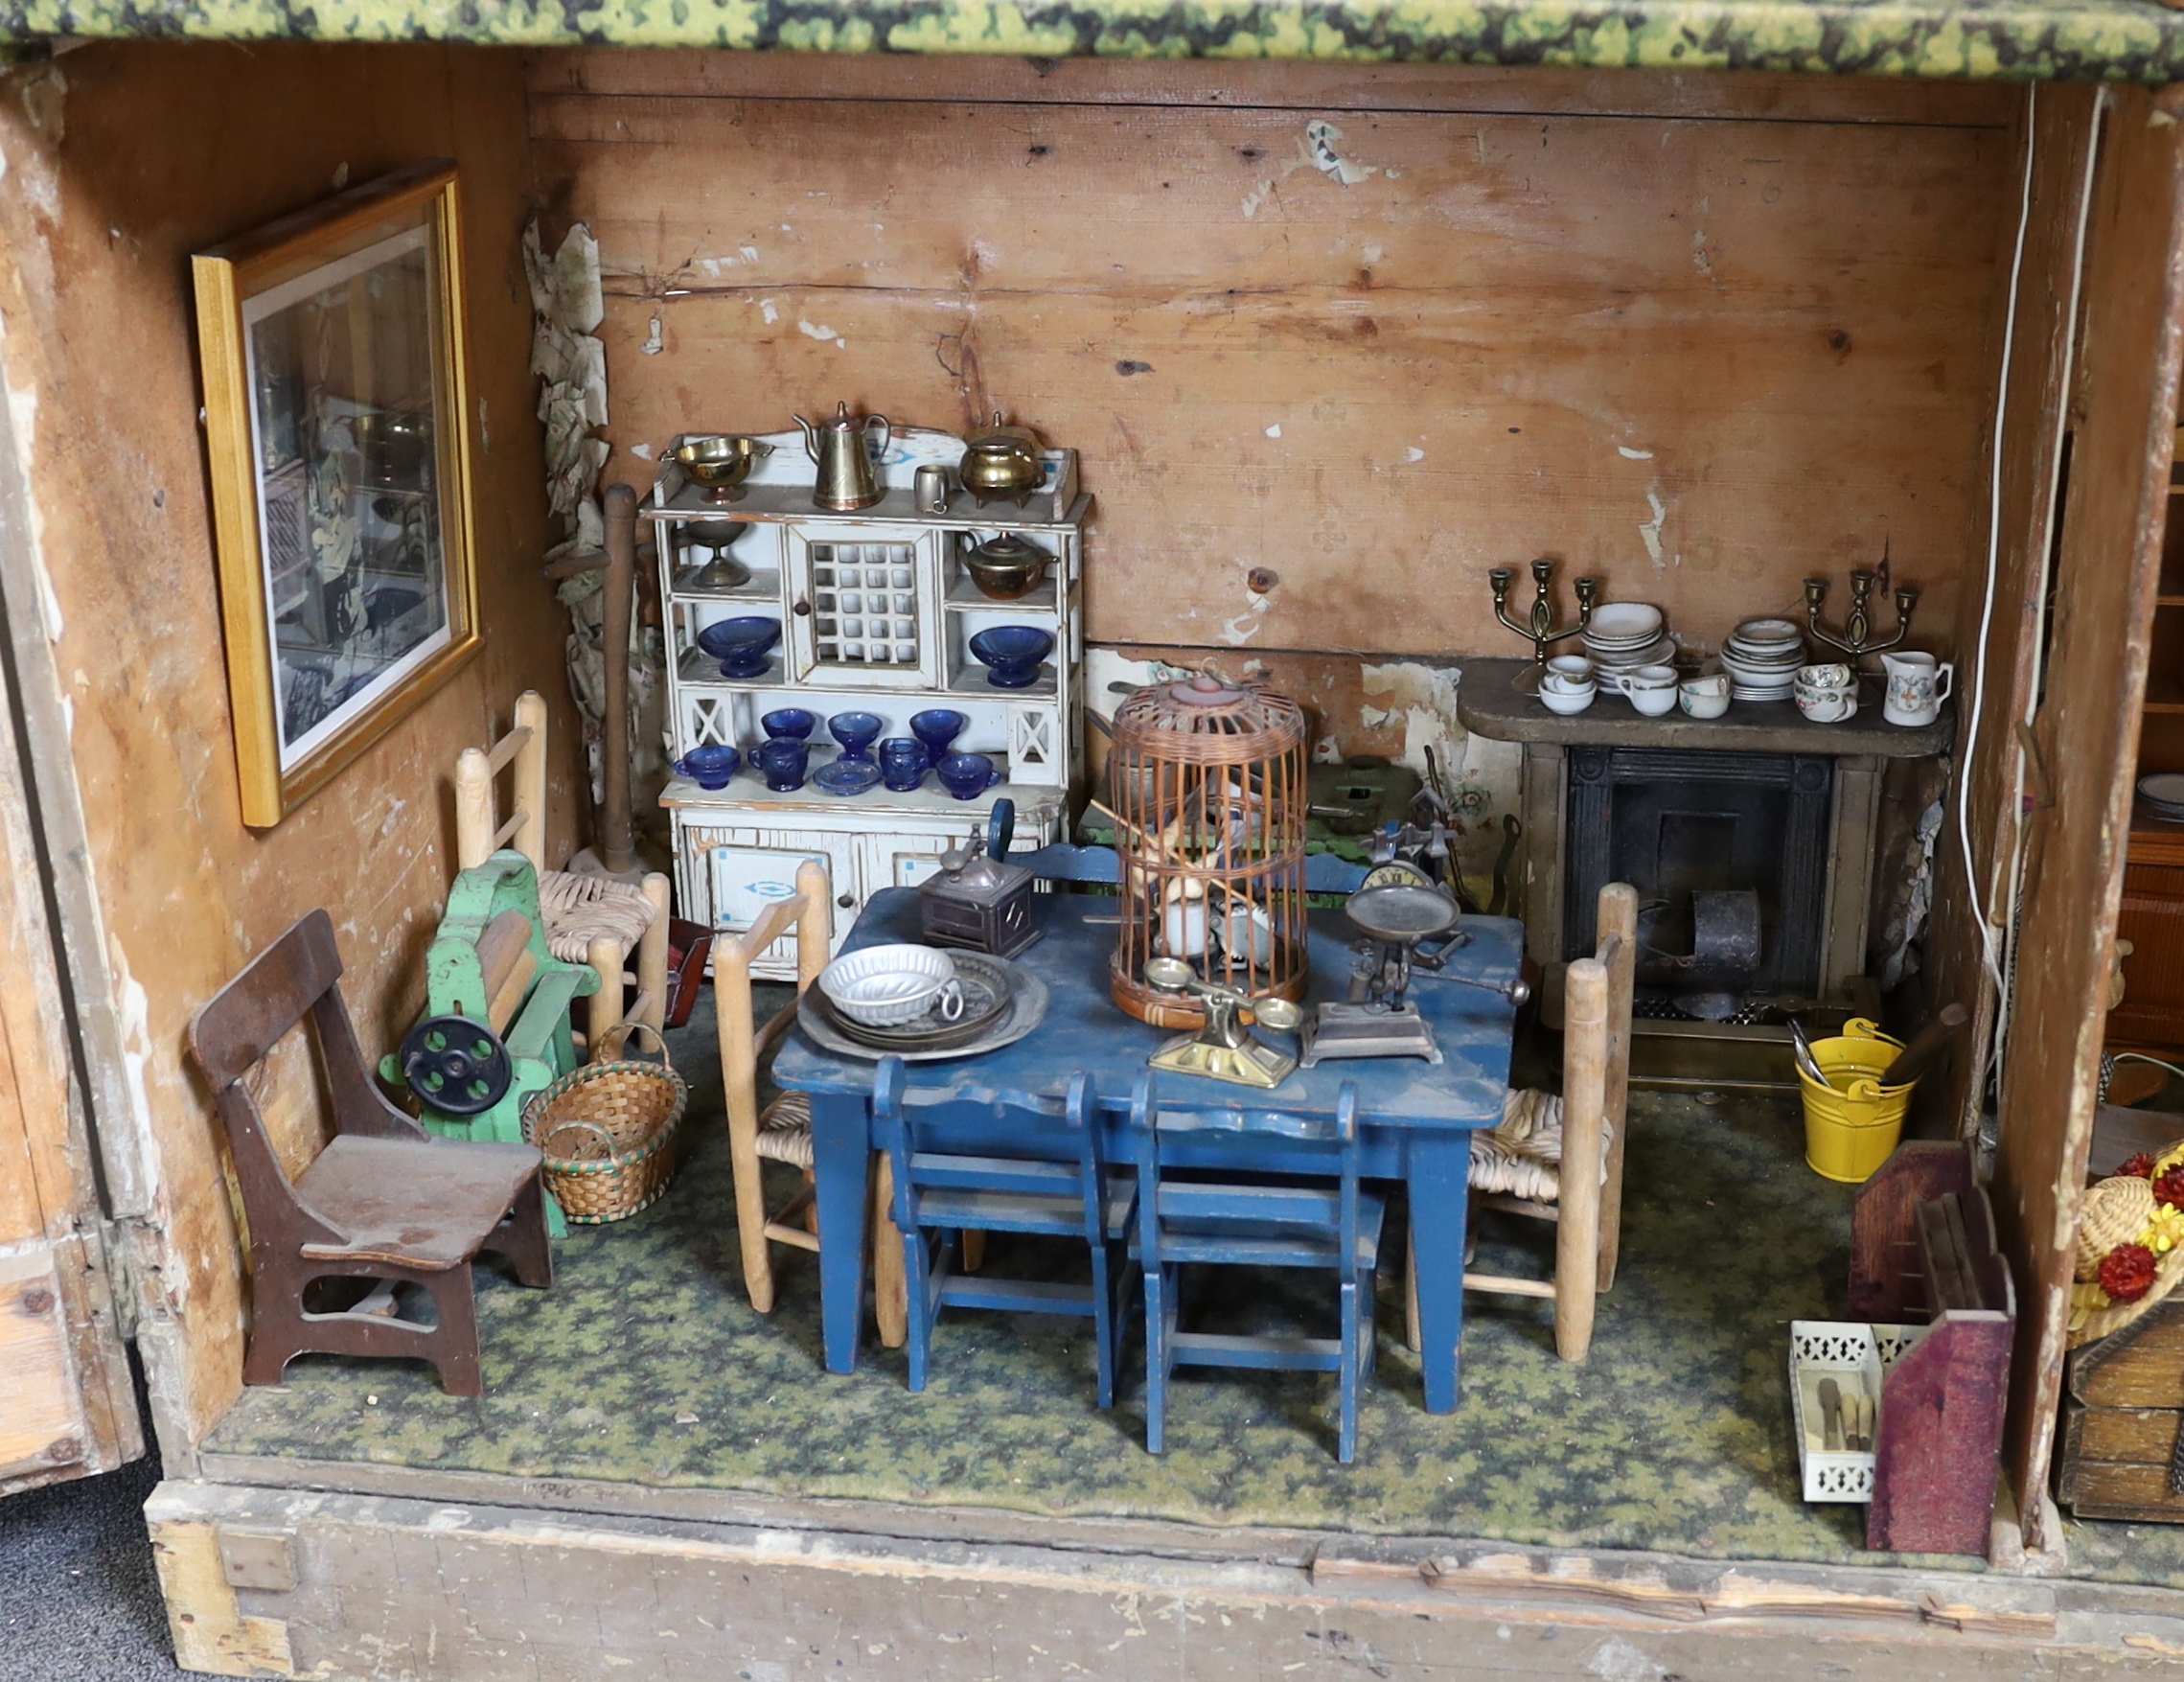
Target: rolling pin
x,y
1928,1047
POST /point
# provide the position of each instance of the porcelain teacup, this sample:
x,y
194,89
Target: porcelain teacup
x,y
1571,668
1705,698
1826,706
1830,677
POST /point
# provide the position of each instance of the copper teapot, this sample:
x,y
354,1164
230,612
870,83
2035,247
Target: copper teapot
x,y
1002,461
840,449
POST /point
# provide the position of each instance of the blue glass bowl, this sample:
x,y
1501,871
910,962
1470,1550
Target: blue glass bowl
x,y
796,722
856,731
741,645
936,728
710,767
1011,654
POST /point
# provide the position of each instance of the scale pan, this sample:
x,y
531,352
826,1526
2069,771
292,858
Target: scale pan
x,y
1402,914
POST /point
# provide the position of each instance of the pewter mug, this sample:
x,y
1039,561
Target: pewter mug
x,y
840,449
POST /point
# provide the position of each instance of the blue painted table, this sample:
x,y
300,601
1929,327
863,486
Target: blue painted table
x,y
1418,1118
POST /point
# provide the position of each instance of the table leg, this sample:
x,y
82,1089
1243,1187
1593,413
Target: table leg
x,y
1439,1183
841,1157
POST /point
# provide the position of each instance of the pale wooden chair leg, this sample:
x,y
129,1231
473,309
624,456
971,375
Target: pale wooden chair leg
x,y
974,1250
529,795
1618,918
1578,1229
652,953
1411,1333
890,1282
739,1078
602,1010
473,809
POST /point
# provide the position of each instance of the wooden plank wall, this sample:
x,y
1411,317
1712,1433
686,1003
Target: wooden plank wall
x,y
2124,408
122,158
1699,335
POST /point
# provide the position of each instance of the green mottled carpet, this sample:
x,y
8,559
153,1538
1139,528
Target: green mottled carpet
x,y
645,1364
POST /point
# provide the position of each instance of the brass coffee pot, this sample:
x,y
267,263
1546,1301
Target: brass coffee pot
x,y
844,459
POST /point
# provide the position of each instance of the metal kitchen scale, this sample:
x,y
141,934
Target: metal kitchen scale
x,y
1224,1048
1397,910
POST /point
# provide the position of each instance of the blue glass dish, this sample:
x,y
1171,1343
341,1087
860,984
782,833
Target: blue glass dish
x,y
1011,654
741,645
793,724
846,777
937,727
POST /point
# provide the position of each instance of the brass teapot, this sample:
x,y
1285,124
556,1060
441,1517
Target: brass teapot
x,y
839,447
1002,461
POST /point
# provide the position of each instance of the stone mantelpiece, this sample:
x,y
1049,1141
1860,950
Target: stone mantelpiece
x,y
1488,703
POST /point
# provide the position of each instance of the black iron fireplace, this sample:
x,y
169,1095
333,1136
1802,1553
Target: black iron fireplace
x,y
1673,822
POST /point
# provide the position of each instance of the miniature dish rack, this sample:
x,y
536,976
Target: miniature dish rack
x,y
877,614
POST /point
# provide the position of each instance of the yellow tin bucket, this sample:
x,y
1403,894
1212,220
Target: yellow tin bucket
x,y
1852,1123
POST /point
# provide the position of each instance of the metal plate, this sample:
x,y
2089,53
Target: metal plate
x,y
1027,1010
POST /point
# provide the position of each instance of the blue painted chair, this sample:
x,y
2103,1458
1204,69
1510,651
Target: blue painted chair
x,y
1060,861
1289,1222
939,1195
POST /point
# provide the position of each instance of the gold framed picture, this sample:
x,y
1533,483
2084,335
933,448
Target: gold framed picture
x,y
337,425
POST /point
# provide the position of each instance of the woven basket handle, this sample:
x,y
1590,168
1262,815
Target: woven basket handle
x,y
561,1127
618,1036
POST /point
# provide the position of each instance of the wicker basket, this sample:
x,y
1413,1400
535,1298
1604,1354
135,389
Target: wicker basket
x,y
608,1131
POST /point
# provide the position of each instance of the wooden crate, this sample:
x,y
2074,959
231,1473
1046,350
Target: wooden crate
x,y
2123,1410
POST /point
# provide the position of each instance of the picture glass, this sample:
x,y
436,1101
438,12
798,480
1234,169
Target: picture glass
x,y
347,419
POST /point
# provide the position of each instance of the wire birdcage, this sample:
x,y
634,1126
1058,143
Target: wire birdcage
x,y
1209,785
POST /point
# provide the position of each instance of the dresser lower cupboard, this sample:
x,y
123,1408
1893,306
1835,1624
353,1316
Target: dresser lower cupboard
x,y
875,614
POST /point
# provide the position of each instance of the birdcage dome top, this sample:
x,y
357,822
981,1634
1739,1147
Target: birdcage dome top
x,y
1208,721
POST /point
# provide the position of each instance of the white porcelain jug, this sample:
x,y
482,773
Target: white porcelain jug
x,y
1917,683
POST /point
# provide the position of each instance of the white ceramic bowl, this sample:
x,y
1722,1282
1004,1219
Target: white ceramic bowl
x,y
885,986
1566,703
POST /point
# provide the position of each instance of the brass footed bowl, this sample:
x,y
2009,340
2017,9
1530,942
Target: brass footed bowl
x,y
720,463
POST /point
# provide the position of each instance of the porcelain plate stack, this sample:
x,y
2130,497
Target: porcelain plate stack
x,y
1627,634
1762,657
2164,795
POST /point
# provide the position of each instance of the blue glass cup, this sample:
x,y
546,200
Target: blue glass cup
x,y
936,728
781,761
712,766
967,775
903,763
793,724
856,732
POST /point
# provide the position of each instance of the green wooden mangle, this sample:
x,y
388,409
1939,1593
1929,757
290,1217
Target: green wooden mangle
x,y
496,1028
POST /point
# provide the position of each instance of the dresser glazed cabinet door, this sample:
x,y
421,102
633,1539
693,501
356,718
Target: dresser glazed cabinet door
x,y
863,607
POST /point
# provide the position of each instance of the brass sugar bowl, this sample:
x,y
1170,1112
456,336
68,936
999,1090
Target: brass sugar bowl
x,y
1003,462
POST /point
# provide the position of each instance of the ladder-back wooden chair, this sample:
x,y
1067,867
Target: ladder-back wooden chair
x,y
1561,1158
940,1195
589,920
382,1201
1328,1223
782,1133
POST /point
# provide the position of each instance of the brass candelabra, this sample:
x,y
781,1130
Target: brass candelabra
x,y
1858,636
1539,624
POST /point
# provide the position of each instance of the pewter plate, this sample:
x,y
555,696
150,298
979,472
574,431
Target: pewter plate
x,y
986,995
1027,1010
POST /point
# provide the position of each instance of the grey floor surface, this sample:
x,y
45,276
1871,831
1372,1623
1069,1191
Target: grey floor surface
x,y
78,1601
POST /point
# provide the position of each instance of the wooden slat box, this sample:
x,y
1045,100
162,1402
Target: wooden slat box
x,y
1940,1437
2124,1405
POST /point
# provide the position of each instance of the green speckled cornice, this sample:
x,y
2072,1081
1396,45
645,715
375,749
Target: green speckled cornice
x,y
2108,38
